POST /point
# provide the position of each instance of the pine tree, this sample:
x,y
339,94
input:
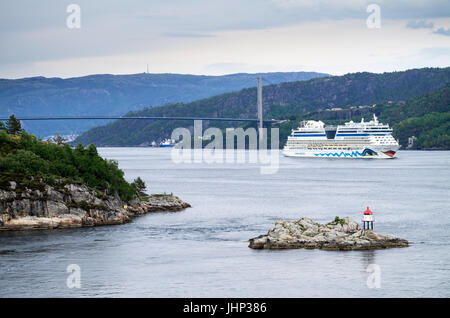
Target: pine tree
x,y
140,185
13,126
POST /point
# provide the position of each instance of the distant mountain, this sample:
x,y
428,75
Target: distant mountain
x,y
115,95
284,101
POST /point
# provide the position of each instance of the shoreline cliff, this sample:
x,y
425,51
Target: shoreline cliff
x,y
37,206
48,185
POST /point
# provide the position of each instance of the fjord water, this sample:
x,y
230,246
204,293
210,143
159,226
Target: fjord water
x,y
202,251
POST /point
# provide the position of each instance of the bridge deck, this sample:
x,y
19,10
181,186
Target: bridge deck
x,y
138,118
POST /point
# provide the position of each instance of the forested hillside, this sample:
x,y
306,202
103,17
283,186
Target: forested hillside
x,y
285,101
427,117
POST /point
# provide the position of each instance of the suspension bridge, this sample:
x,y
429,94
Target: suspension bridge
x,y
260,121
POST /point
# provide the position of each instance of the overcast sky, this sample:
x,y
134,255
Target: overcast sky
x,y
220,37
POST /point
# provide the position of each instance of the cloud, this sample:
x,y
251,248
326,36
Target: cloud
x,y
343,9
193,35
442,31
421,24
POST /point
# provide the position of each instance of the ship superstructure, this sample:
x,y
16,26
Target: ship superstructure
x,y
352,140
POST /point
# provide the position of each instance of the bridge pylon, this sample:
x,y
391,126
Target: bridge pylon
x,y
260,112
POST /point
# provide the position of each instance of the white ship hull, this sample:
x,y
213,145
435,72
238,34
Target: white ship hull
x,y
363,153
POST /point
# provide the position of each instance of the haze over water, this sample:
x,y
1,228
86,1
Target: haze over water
x,y
202,251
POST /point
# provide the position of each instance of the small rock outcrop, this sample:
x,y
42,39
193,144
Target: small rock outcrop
x,y
73,205
341,234
155,203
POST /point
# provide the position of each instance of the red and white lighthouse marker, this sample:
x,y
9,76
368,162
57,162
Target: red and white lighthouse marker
x,y
368,219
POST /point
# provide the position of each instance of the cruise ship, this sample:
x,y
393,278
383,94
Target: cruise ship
x,y
352,140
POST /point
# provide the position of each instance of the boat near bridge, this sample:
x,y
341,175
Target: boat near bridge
x,y
167,143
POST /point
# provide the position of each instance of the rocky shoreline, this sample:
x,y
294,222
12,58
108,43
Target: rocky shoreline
x,y
341,234
73,205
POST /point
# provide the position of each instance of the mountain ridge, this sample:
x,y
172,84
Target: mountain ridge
x,y
281,101
108,94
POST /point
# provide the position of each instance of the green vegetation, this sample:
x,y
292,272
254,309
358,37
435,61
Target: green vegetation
x,y
432,131
33,163
23,182
426,117
337,220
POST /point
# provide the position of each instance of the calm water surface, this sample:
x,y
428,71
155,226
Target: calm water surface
x,y
202,251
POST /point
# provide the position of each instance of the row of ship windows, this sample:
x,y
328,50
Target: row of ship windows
x,y
329,148
318,142
337,133
310,148
385,140
321,145
366,130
